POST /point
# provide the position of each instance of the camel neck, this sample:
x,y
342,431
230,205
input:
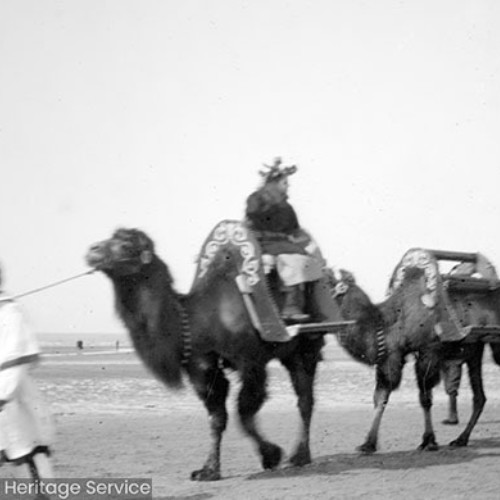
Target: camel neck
x,y
152,313
362,341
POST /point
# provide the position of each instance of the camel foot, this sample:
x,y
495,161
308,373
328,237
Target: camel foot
x,y
205,474
271,455
301,457
367,448
460,442
429,443
450,421
431,446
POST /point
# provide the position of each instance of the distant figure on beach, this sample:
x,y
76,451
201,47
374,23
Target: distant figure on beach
x,y
26,429
79,345
117,345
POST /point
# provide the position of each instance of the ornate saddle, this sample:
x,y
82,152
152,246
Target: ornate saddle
x,y
453,294
255,287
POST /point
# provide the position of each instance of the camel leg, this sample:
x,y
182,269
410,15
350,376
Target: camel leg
x,y
380,400
427,368
495,351
388,378
302,373
212,388
474,365
250,399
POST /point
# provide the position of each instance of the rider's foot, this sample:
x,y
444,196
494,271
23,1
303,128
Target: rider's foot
x,y
294,316
293,307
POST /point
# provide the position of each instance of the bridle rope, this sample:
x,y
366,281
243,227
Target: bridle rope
x,y
45,287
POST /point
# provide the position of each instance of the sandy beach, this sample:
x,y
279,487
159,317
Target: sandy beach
x,y
115,421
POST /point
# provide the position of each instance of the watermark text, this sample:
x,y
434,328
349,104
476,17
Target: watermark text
x,y
77,489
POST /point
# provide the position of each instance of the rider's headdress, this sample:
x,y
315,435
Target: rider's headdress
x,y
277,171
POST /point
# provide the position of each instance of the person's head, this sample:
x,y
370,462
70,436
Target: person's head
x,y
280,184
277,175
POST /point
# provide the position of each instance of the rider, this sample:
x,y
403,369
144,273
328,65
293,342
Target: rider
x,y
284,244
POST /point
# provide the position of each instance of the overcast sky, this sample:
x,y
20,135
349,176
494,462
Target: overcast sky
x,y
158,115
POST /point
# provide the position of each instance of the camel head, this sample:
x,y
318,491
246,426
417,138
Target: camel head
x,y
349,296
125,253
340,281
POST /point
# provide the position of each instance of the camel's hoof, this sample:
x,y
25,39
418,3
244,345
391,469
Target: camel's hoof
x,y
205,474
428,442
450,421
367,448
428,447
271,455
458,443
300,458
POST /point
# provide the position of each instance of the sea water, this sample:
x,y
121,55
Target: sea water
x,y
52,343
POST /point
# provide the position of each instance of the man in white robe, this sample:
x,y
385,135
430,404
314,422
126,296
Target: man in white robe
x,y
26,429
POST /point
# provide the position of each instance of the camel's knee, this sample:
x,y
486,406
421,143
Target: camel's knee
x,y
252,394
381,397
479,400
425,398
249,402
305,396
388,377
209,382
306,405
428,372
214,396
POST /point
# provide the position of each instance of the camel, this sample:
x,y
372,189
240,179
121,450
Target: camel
x,y
200,334
404,324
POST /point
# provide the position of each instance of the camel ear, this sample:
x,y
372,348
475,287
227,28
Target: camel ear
x,y
146,256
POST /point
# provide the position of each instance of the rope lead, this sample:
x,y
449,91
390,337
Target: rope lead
x,y
50,285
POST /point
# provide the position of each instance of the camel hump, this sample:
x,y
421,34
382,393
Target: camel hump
x,y
416,258
235,236
232,234
434,297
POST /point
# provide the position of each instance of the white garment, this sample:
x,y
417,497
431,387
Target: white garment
x,y
24,420
294,269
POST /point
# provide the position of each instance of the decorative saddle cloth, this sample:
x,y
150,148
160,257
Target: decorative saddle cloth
x,y
451,325
252,283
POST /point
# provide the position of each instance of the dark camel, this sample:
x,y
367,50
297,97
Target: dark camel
x,y
385,334
202,333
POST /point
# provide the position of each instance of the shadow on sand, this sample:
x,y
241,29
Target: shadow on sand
x,y
400,460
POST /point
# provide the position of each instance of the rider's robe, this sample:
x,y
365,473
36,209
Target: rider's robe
x,y
25,422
